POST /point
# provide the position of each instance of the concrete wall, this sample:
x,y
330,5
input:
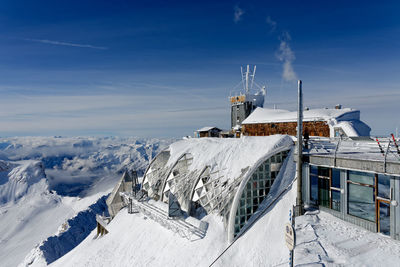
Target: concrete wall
x,y
239,112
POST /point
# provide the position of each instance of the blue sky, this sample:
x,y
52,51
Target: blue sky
x,y
166,68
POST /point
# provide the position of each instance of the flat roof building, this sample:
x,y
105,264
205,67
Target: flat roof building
x,y
316,122
355,181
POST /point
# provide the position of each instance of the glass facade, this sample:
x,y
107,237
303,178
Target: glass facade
x,y
368,194
257,189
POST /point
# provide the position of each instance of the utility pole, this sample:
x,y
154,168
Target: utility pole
x,y
299,199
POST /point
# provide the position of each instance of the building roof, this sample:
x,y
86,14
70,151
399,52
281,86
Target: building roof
x,y
207,128
229,160
266,115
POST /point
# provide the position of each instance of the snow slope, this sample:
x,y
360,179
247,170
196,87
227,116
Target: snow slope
x,y
48,183
135,240
29,212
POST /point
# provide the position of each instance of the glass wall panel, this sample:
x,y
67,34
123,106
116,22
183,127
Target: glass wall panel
x,y
256,190
323,192
384,218
314,188
336,178
335,200
361,201
323,171
384,186
313,170
362,177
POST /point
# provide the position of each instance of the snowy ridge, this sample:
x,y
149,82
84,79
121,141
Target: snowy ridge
x,y
69,235
19,179
46,181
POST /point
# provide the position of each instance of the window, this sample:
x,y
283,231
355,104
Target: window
x,y
335,200
362,202
383,186
325,187
361,198
314,183
335,178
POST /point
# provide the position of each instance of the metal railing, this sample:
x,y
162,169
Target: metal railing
x,y
177,225
366,148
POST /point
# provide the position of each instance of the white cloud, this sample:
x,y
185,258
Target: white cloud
x,y
286,55
237,15
129,114
44,41
271,23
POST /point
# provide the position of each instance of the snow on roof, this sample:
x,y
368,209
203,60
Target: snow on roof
x,y
228,155
230,160
354,128
266,115
207,128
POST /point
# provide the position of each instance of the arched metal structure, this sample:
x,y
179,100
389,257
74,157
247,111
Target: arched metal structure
x,y
213,176
154,174
253,189
178,180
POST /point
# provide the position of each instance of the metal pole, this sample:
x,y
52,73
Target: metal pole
x,y
299,199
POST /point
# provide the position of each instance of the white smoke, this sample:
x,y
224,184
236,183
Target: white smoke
x,y
271,23
286,56
238,13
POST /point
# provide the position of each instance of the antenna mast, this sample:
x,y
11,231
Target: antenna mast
x,y
246,78
252,77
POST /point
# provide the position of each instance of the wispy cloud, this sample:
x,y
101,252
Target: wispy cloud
x,y
271,23
45,41
238,13
286,55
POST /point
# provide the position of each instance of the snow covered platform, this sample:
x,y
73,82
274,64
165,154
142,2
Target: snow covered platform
x,y
323,240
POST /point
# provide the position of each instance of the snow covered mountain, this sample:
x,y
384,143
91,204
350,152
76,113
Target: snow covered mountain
x,y
51,188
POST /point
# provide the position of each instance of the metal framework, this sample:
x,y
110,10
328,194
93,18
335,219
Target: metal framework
x,y
177,225
152,180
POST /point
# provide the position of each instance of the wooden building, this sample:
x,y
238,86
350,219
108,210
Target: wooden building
x,y
208,132
316,122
